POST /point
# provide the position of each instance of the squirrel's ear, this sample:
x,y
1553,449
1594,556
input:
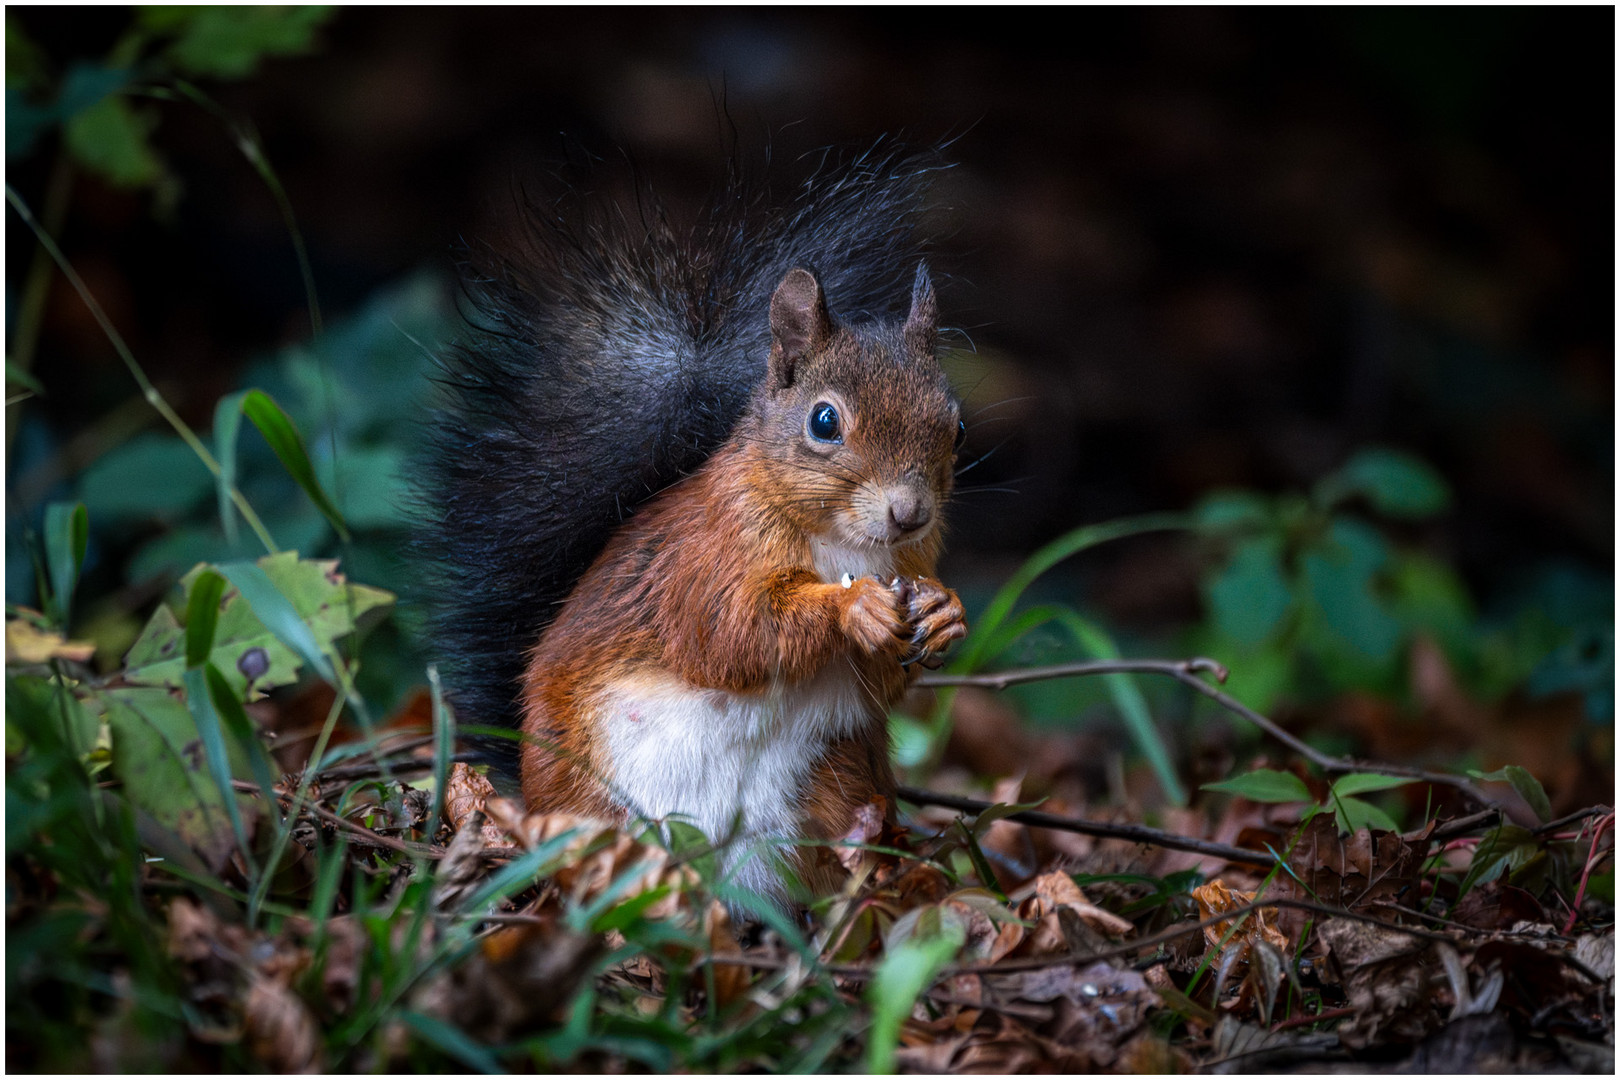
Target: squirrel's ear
x,y
799,324
922,325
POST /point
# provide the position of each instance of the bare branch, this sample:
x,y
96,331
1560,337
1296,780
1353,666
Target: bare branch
x,y
1186,671
1137,833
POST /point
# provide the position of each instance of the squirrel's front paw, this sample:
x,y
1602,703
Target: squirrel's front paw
x,y
937,621
873,616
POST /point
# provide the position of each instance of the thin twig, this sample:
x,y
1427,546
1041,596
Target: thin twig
x,y
1140,834
1187,671
404,847
1000,680
1013,967
1579,815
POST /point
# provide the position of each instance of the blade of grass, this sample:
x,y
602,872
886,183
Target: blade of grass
x,y
452,1041
444,740
67,536
227,423
284,439
150,392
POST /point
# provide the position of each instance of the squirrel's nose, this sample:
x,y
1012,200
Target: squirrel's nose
x,y
909,510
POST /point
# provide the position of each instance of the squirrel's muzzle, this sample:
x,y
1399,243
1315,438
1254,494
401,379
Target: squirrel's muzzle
x,y
907,511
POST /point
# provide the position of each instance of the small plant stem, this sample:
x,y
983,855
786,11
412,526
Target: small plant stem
x,y
296,807
37,286
1603,825
1137,833
148,391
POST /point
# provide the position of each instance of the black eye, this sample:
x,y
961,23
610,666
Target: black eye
x,y
824,423
961,433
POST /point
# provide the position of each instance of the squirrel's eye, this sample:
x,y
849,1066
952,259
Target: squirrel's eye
x,y
824,423
961,433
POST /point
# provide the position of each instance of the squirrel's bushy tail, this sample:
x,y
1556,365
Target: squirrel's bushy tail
x,y
603,362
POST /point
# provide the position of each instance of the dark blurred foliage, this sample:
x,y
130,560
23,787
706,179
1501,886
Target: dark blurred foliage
x,y
1193,249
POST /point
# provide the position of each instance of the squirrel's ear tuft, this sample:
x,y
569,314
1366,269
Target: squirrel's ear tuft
x,y
922,325
799,325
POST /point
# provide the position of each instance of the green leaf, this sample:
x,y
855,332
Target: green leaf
x,y
282,435
452,1041
227,41
16,376
1231,511
1338,575
1265,785
109,138
151,475
972,651
26,63
1525,783
1131,704
67,537
902,975
309,599
156,752
444,743
202,615
1250,596
227,422
1354,814
235,717
212,736
1503,846
996,811
1359,782
86,85
1396,484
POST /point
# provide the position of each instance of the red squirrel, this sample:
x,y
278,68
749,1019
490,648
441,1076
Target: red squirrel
x,y
731,654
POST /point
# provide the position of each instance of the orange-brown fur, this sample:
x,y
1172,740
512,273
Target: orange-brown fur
x,y
715,582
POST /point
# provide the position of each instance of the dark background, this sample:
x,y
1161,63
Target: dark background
x,y
1193,249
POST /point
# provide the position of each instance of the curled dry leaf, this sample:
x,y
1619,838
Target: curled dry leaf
x,y
466,790
1216,899
461,871
1393,987
280,1030
866,828
30,644
1357,871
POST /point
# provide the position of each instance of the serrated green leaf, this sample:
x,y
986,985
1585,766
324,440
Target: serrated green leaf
x,y
1356,783
1525,783
1354,814
110,139
282,435
1265,785
307,594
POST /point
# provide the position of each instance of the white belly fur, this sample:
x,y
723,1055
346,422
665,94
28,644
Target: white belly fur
x,y
733,764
